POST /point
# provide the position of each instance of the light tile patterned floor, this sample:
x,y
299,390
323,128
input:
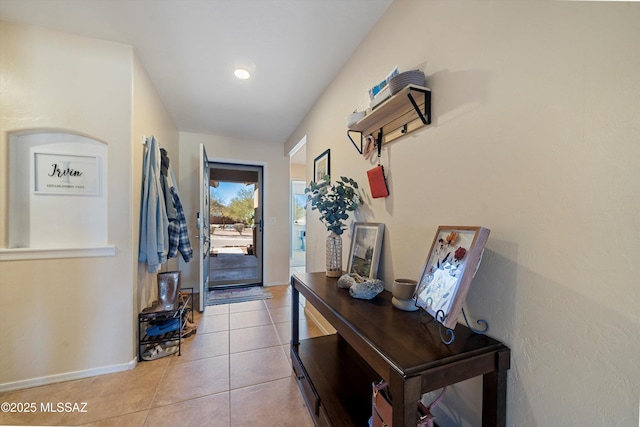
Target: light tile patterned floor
x,y
235,371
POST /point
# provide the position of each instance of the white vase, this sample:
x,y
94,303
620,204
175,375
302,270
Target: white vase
x,y
334,255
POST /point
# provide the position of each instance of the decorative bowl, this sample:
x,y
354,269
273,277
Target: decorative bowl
x,y
403,288
355,117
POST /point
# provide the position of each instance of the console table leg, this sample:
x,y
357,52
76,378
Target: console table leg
x,y
295,315
405,393
494,399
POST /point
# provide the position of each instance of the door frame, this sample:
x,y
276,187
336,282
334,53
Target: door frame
x,y
263,165
298,150
292,236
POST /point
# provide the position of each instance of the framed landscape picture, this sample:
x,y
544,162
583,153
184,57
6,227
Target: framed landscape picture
x,y
322,166
366,245
453,260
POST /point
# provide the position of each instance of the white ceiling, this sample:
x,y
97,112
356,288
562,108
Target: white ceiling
x,y
189,48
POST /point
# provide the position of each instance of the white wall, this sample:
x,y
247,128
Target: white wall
x,y
535,136
149,118
276,197
298,172
67,317
76,316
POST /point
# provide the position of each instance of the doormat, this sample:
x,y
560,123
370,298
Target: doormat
x,y
233,295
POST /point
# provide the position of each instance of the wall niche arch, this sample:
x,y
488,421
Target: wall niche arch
x,y
57,196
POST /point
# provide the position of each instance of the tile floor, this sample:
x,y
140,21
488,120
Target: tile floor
x,y
235,371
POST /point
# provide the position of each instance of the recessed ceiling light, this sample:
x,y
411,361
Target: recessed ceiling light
x,y
241,73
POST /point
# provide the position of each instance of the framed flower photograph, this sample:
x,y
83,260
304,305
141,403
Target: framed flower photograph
x,y
453,259
366,244
322,166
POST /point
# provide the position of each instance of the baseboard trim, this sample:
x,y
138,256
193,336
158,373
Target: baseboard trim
x,y
266,285
67,376
320,321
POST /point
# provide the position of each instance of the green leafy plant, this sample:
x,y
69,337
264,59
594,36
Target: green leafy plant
x,y
334,201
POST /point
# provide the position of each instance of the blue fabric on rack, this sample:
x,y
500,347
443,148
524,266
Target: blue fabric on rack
x,y
154,223
169,326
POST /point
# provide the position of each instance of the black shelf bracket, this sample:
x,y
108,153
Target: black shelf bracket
x,y
426,116
353,142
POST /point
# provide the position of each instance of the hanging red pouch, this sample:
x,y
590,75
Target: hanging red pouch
x,y
378,182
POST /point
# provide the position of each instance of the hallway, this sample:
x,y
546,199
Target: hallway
x,y
235,371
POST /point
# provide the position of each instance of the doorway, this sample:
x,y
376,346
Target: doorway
x,y
235,216
298,225
298,203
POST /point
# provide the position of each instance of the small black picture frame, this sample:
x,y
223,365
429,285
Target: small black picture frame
x,y
322,166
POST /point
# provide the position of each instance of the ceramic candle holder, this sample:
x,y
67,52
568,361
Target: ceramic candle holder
x,y
402,291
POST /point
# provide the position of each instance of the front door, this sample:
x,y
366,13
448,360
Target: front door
x,y
236,225
203,227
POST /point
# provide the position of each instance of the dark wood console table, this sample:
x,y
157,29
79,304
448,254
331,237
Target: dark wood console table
x,y
376,341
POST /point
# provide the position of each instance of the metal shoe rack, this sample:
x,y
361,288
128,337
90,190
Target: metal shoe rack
x,y
184,312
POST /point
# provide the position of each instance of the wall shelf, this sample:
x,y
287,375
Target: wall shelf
x,y
404,112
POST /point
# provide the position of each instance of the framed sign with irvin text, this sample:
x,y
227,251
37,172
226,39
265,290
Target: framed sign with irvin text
x,y
69,174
